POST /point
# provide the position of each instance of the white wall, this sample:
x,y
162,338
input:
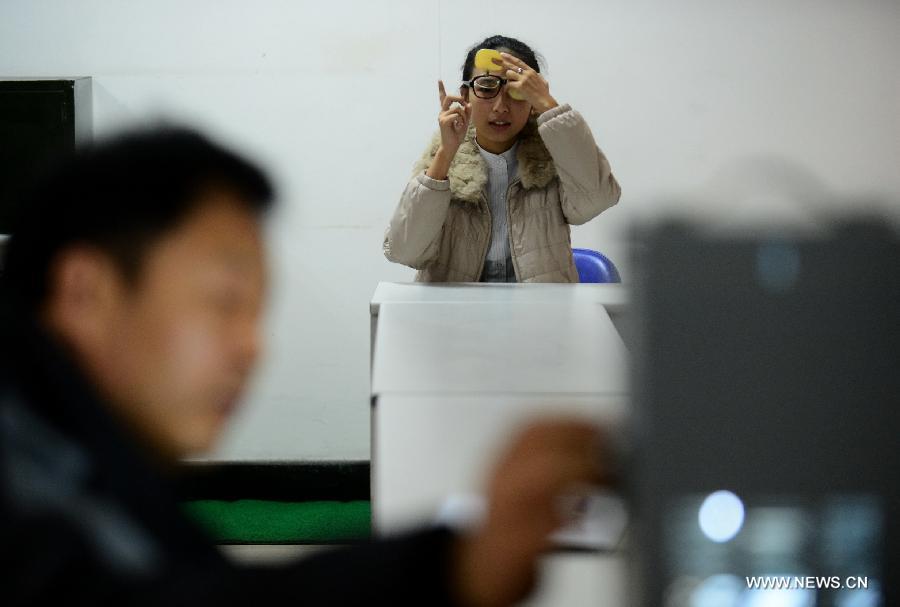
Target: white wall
x,y
338,99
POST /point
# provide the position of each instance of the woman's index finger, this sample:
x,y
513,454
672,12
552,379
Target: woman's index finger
x,y
512,58
514,61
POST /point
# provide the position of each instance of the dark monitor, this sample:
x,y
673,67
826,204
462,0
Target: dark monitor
x,y
767,419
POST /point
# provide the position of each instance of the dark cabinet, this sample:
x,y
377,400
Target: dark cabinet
x,y
39,119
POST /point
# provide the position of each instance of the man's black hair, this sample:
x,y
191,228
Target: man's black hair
x,y
121,196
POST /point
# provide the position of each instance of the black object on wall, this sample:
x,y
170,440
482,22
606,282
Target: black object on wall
x,y
275,481
39,119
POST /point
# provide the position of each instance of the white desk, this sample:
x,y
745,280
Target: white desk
x,y
610,295
430,446
457,368
527,348
613,297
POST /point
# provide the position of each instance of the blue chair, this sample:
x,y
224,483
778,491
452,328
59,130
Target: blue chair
x,y
594,266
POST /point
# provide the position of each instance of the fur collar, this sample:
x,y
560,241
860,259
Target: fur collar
x,y
468,172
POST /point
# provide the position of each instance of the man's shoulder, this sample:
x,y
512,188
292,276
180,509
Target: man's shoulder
x,y
43,473
38,450
48,481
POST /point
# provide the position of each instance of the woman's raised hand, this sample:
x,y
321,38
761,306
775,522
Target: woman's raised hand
x,y
453,119
454,122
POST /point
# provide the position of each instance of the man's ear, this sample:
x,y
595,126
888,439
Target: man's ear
x,y
464,92
83,287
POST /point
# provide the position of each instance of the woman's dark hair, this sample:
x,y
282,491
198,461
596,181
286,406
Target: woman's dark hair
x,y
501,43
121,196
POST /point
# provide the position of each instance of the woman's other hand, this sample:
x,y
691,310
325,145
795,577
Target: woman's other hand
x,y
530,85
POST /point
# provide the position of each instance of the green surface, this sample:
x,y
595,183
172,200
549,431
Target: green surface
x,y
261,521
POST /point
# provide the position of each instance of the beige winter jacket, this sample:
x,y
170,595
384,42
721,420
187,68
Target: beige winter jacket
x,y
443,228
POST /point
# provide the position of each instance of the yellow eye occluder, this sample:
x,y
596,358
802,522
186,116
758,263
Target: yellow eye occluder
x,y
484,61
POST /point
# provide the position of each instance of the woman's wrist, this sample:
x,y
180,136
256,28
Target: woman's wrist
x,y
545,105
440,165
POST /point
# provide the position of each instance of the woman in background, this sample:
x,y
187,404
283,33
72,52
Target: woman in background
x,y
494,194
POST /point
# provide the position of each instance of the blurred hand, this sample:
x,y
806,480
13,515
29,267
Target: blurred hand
x,y
549,460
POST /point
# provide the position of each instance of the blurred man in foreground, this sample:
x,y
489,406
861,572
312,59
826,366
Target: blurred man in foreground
x,y
132,295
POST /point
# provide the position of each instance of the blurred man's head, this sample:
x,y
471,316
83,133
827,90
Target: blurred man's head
x,y
144,257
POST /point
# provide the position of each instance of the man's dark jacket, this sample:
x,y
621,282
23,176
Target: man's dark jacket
x,y
89,518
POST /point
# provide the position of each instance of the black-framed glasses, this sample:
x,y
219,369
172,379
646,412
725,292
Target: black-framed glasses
x,y
486,86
